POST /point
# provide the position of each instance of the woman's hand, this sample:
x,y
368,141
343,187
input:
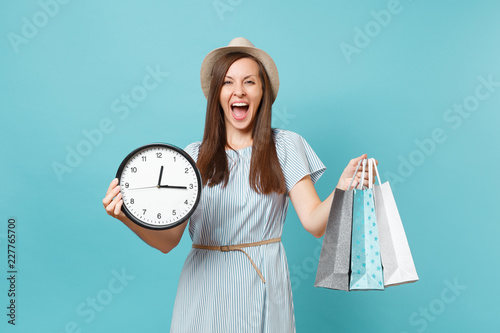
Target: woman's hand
x,y
113,201
313,213
347,175
163,240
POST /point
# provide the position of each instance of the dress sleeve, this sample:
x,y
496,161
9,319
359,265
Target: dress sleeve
x,y
193,149
297,158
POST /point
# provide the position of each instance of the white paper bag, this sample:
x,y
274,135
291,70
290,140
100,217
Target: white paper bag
x,y
397,261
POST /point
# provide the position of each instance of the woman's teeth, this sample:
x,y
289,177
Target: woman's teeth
x,y
239,104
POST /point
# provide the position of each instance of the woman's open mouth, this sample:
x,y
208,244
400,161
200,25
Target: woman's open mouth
x,y
239,110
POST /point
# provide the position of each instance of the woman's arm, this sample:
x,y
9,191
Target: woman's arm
x,y
163,240
312,212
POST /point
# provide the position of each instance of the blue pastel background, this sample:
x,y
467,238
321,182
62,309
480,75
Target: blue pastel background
x,y
376,77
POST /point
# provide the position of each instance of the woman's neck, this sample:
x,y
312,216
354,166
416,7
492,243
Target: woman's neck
x,y
238,139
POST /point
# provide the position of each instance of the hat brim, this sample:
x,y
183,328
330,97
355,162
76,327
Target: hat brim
x,y
262,56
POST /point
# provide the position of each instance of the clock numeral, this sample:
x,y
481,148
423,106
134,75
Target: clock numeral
x,y
158,155
134,169
132,201
144,158
159,215
186,170
174,212
126,185
174,159
143,211
186,202
190,186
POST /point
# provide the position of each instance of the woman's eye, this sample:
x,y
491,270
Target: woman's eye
x,y
250,82
227,82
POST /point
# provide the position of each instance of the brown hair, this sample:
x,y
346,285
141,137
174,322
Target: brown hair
x,y
266,175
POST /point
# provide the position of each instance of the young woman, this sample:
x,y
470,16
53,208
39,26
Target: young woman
x,y
235,278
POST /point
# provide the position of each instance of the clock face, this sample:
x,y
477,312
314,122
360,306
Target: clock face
x,y
160,186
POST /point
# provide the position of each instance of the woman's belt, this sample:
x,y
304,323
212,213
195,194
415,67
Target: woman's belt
x,y
238,247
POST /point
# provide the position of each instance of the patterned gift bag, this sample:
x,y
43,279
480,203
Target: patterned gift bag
x,y
366,266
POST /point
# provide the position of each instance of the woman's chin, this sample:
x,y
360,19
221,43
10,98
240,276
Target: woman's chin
x,y
242,126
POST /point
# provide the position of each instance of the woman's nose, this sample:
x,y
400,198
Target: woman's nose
x,y
239,89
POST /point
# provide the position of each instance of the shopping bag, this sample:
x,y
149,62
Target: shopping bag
x,y
366,266
397,261
334,260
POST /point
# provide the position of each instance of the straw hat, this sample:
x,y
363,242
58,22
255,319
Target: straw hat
x,y
239,44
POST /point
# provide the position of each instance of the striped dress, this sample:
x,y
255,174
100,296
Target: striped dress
x,y
221,291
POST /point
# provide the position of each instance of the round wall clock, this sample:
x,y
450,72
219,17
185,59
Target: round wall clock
x,y
160,186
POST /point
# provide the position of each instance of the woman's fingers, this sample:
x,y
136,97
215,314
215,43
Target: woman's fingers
x,y
114,209
354,162
113,202
110,195
358,175
375,172
366,178
108,201
348,172
357,181
119,203
113,183
365,182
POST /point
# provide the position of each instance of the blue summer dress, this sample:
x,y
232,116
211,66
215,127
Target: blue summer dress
x,y
221,291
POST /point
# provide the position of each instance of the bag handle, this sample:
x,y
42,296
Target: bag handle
x,y
370,173
376,170
355,172
360,185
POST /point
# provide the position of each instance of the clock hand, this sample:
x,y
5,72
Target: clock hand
x,y
140,188
159,186
159,179
171,186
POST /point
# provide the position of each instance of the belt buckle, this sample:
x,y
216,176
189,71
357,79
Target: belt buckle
x,y
224,248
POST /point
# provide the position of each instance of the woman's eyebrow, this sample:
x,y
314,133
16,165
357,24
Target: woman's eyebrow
x,y
246,77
